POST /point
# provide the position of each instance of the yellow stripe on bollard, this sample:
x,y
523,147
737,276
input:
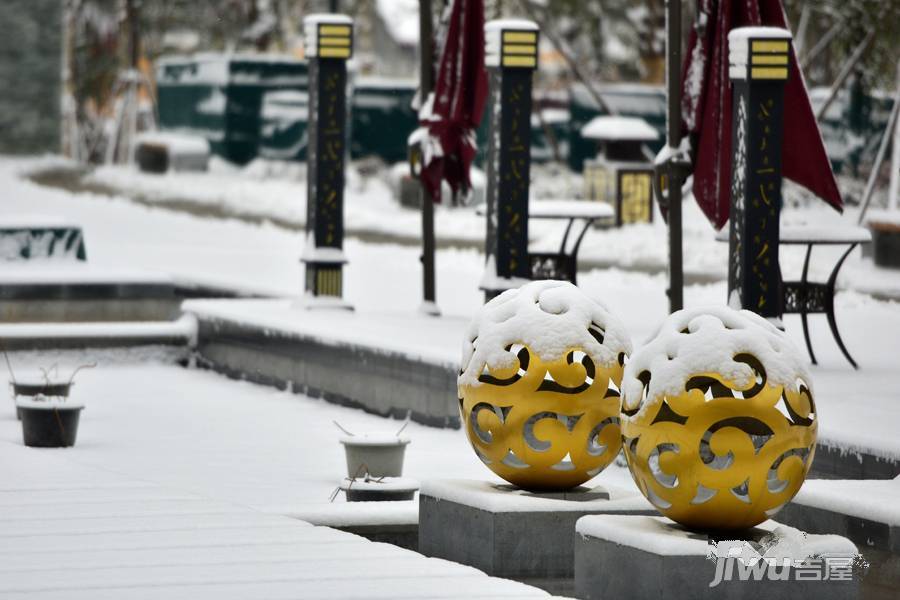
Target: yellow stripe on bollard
x,y
334,41
768,73
519,61
334,30
520,49
770,59
769,46
331,52
525,37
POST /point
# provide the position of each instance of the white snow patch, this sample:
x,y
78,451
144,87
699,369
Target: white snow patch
x,y
619,128
550,318
34,221
874,500
401,19
349,514
42,402
659,535
566,209
46,272
889,217
704,340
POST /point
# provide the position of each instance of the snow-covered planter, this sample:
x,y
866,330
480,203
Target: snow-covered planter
x,y
539,385
885,228
161,151
377,454
718,419
49,418
379,489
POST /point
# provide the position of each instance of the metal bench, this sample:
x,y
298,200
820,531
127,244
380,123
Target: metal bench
x,y
563,263
806,297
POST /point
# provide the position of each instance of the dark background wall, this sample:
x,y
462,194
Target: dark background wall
x,y
30,67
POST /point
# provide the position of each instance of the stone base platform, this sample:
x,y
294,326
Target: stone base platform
x,y
513,533
651,557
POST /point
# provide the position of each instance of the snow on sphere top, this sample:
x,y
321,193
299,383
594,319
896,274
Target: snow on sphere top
x,y
550,318
706,340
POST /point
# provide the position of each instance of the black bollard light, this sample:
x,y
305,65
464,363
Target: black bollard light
x,y
758,68
328,44
511,59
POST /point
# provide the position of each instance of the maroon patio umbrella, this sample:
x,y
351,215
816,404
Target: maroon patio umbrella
x,y
706,109
460,93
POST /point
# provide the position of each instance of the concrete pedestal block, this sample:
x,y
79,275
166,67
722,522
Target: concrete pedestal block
x,y
513,533
651,557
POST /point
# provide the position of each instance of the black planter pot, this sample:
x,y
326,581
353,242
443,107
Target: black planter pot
x,y
51,389
376,496
50,427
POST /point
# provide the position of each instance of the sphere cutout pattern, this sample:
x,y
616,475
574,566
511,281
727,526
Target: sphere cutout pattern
x,y
720,454
544,420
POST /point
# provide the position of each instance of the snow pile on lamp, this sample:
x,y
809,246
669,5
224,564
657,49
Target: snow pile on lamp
x,y
718,419
539,385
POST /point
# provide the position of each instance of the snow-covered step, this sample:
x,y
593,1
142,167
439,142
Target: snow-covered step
x,y
40,291
866,511
182,545
40,336
389,364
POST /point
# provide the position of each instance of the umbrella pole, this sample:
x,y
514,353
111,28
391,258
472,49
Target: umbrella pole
x,y
429,305
673,135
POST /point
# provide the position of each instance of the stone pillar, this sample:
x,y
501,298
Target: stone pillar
x,y
758,59
328,44
511,59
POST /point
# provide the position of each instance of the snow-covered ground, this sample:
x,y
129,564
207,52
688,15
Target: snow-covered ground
x,y
277,192
857,409
196,431
158,501
277,452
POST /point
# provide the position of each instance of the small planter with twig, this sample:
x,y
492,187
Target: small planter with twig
x,y
49,418
378,489
377,454
885,228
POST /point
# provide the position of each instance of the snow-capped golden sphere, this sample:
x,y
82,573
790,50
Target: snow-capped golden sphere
x,y
539,385
718,419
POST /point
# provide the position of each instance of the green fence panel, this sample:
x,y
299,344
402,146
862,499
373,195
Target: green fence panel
x,y
220,97
382,118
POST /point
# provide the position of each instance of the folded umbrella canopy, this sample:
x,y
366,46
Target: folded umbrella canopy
x,y
453,112
706,109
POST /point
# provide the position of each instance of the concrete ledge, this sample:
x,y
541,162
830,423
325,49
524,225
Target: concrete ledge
x,y
87,310
863,511
380,382
507,532
83,293
45,336
648,558
394,523
832,462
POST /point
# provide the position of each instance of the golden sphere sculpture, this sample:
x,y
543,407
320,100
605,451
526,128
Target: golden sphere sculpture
x,y
539,385
718,419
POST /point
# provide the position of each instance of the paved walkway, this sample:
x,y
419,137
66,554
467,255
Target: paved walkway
x,y
73,531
